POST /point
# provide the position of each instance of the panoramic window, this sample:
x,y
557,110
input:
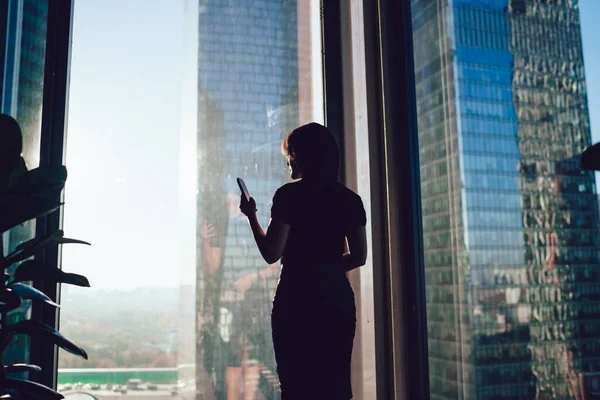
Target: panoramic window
x,y
170,102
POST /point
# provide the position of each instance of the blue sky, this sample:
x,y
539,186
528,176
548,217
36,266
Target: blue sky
x,y
123,141
123,138
590,32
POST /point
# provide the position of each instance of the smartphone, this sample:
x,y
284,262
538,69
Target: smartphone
x,y
243,188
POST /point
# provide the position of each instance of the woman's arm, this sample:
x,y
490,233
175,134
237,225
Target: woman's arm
x,y
272,243
211,256
356,256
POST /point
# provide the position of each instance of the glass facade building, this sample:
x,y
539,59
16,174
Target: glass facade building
x,y
254,68
510,222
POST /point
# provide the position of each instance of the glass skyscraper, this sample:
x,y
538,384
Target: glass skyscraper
x,y
510,221
254,80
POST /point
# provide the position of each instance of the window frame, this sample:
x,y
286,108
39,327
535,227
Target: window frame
x,y
398,259
399,289
52,150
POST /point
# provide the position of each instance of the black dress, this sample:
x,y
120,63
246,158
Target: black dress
x,y
314,315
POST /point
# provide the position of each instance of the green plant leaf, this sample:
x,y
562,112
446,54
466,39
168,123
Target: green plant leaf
x,y
31,327
36,193
9,300
42,179
29,248
20,209
35,241
33,270
74,279
30,293
31,390
18,368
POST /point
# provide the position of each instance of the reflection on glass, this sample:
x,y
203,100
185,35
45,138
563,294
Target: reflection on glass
x,y
256,83
179,309
510,221
23,52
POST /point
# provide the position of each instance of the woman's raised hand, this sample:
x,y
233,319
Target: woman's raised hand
x,y
247,207
207,231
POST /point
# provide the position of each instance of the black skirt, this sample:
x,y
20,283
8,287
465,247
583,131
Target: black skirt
x,y
313,323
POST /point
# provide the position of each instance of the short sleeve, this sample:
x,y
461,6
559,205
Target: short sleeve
x,y
282,207
358,216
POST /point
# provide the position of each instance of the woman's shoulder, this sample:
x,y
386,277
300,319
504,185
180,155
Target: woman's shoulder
x,y
289,188
347,192
355,209
287,192
337,189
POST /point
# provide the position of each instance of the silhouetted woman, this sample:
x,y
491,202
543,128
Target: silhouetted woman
x,y
318,227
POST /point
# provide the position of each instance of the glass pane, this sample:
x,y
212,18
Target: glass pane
x,y
161,123
122,155
511,226
23,48
259,77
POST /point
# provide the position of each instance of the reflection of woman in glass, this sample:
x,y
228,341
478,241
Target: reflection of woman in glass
x,y
212,228
212,232
227,302
229,348
313,317
238,349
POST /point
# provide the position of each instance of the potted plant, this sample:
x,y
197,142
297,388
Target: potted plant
x,y
26,195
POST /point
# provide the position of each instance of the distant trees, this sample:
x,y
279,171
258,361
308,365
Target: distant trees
x,y
106,363
164,361
120,339
135,358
